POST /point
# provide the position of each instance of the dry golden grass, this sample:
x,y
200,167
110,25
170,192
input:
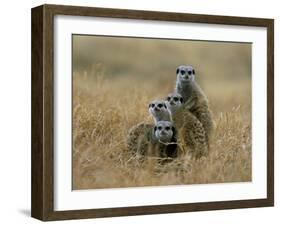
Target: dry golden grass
x,y
105,108
115,79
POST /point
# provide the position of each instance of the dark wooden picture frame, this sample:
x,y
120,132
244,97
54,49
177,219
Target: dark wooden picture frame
x,y
42,203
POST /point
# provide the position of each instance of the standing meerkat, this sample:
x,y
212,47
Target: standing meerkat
x,y
194,98
191,133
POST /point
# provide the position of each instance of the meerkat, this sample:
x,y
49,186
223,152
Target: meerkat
x,y
158,109
138,136
158,140
165,135
194,98
191,133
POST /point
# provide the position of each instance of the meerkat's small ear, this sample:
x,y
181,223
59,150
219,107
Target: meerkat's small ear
x,y
174,138
149,105
155,127
181,99
193,71
178,70
174,130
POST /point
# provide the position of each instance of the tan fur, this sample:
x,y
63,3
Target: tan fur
x,y
191,133
138,138
140,142
198,105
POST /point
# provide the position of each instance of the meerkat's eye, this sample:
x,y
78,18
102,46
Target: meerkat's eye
x,y
152,105
182,72
178,70
159,128
167,128
181,99
176,99
193,72
189,72
160,105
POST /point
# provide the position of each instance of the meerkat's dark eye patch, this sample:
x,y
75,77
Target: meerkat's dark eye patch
x,y
167,128
182,72
152,105
176,99
168,98
155,128
160,105
178,70
159,127
174,130
189,72
181,99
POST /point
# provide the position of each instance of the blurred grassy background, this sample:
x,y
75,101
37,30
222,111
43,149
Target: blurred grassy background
x,y
114,79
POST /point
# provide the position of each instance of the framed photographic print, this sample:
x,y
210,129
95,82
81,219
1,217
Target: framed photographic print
x,y
141,112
